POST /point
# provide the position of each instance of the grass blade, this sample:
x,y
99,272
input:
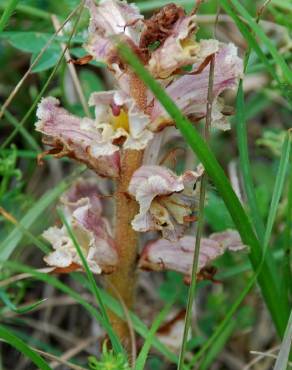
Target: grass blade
x,y
17,343
38,243
279,60
6,300
283,4
10,7
29,10
218,345
200,227
44,88
245,164
283,357
278,188
267,278
224,323
23,131
118,348
249,37
141,359
287,273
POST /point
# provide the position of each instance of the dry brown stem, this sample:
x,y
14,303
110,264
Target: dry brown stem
x,y
124,278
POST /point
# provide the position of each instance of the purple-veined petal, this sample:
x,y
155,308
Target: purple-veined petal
x,y
190,91
78,194
77,138
166,200
108,19
177,256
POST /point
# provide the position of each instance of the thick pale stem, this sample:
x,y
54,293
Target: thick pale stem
x,y
124,278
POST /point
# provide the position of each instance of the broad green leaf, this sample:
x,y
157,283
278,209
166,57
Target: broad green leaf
x,y
216,213
28,10
90,82
29,42
48,60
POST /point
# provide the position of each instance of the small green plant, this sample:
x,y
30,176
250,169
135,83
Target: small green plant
x,y
108,360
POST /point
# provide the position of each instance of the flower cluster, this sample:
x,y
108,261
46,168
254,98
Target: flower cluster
x,y
130,118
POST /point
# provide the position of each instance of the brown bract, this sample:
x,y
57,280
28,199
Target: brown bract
x,y
159,26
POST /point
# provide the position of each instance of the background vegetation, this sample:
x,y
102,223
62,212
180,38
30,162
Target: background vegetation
x,y
57,316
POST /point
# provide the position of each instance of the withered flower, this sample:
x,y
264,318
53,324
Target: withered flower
x,y
162,254
83,212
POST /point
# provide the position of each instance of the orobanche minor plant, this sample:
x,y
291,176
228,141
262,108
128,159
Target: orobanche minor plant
x,y
128,143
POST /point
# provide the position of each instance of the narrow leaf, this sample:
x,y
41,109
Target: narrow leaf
x,y
283,357
278,188
94,288
264,38
11,5
141,359
17,343
6,300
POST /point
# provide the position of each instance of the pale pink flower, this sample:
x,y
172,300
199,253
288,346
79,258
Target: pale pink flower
x,y
76,138
83,211
162,254
108,19
180,50
96,142
166,200
190,91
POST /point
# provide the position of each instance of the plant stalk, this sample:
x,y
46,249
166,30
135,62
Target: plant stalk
x,y
124,278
